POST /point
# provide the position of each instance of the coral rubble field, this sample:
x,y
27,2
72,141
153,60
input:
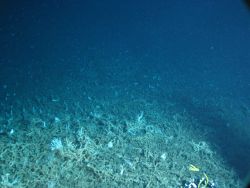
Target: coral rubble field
x,y
48,142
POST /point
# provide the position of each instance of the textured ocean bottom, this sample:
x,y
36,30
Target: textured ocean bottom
x,y
50,142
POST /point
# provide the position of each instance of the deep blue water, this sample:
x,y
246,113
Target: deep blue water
x,y
195,52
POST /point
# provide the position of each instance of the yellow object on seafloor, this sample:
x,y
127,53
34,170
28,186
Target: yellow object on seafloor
x,y
193,168
204,181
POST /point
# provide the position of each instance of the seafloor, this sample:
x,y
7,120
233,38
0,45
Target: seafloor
x,y
107,135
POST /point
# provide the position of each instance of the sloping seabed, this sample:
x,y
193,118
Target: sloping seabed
x,y
121,142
